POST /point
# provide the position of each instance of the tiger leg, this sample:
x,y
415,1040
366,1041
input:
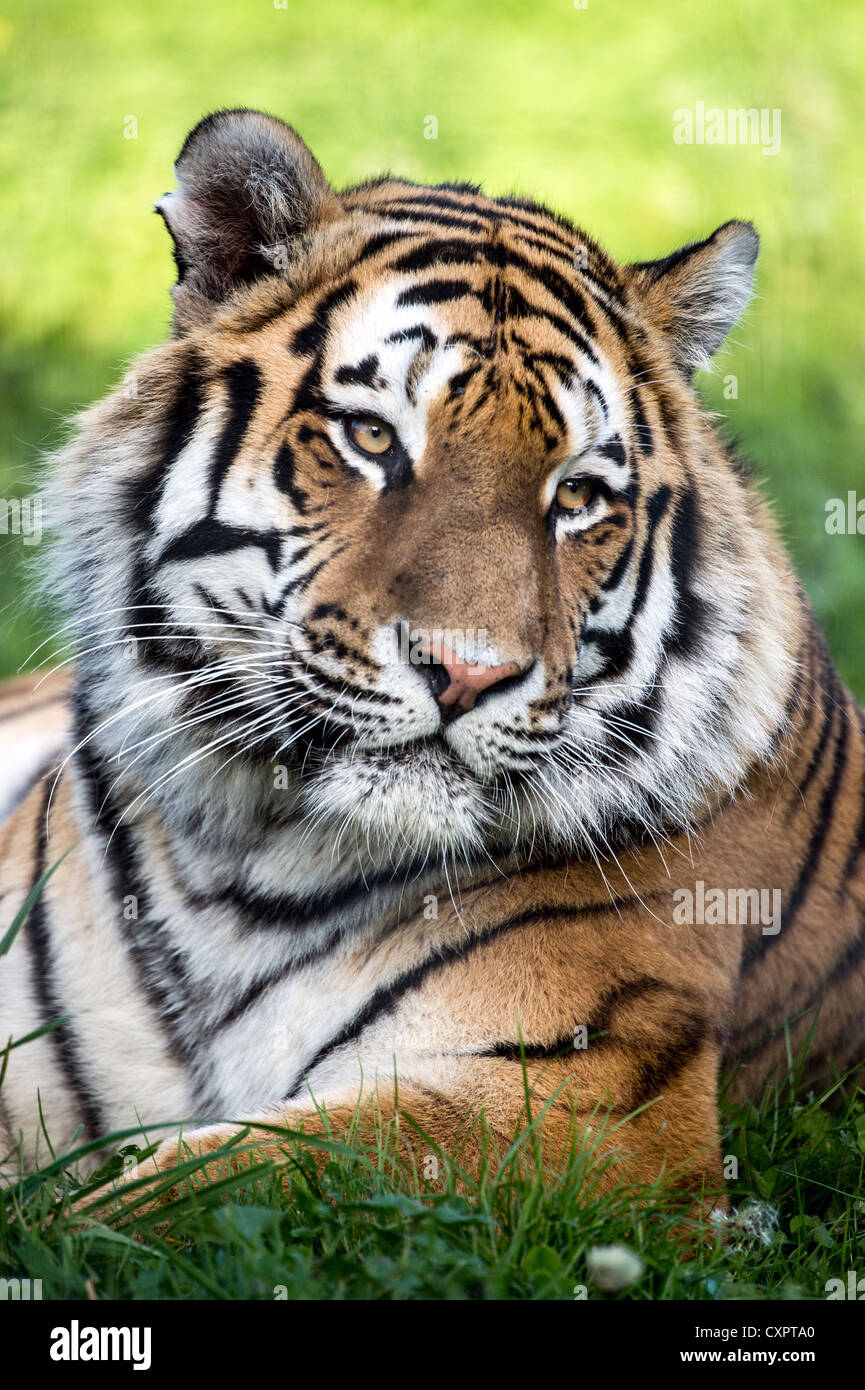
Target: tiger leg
x,y
673,1137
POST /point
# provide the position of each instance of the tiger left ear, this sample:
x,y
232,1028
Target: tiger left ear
x,y
248,188
696,295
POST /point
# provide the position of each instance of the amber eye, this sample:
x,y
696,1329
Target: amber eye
x,y
574,493
369,434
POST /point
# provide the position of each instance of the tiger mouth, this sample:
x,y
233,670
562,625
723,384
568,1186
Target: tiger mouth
x,y
419,754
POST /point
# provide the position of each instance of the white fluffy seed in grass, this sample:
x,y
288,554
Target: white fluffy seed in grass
x,y
613,1267
754,1220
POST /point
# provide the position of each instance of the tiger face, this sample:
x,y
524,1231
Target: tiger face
x,y
419,505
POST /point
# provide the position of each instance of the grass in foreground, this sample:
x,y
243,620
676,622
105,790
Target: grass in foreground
x,y
358,1228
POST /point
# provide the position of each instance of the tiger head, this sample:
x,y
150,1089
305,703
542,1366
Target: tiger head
x,y
418,505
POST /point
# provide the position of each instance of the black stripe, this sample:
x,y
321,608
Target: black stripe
x,y
290,911
428,202
617,573
614,449
252,321
541,396
669,417
563,367
796,689
461,251
285,477
220,614
692,612
435,292
568,294
251,995
857,844
547,232
561,290
616,645
158,961
667,1058
436,251
386,998
616,649
418,332
792,704
345,692
458,383
827,706
685,1031
365,373
301,582
243,382
758,946
533,1052
144,495
631,727
656,509
380,241
565,251
63,1040
178,427
638,987
597,394
440,219
645,439
311,338
210,537
852,957
854,954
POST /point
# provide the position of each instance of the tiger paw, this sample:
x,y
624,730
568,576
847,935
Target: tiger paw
x,y
191,1160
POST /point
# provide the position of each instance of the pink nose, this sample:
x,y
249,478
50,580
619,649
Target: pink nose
x,y
467,682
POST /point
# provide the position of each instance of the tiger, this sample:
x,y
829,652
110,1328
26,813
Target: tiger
x,y
428,649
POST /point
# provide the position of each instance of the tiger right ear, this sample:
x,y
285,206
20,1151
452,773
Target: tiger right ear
x,y
247,188
697,294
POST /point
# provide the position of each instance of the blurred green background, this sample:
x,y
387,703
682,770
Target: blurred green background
x,y
572,105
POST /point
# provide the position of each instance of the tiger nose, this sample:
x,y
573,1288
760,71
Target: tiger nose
x,y
465,681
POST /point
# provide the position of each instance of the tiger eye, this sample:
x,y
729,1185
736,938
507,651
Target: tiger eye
x,y
369,434
574,493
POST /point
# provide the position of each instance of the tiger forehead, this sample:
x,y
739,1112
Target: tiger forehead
x,y
499,248
420,315
441,309
404,352
496,226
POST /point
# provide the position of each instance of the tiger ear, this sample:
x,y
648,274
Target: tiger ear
x,y
247,188
696,295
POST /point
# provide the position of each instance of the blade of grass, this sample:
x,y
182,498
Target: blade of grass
x,y
29,902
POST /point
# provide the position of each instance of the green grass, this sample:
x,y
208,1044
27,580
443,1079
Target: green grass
x,y
362,1227
573,106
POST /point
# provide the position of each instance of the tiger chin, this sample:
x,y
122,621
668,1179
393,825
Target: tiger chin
x,y
429,645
